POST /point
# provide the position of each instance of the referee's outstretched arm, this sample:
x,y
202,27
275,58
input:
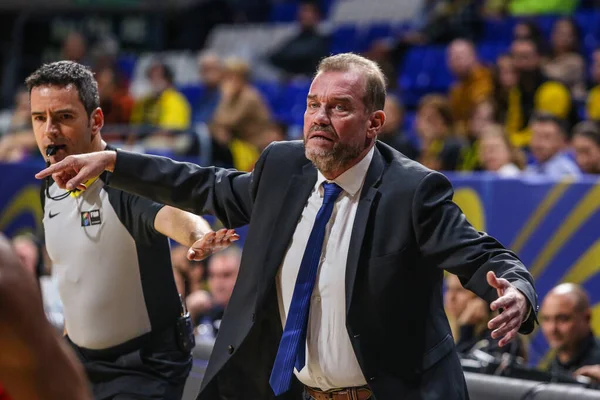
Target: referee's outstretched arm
x,y
35,363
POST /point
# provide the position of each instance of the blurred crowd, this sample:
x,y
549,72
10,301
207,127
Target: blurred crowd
x,y
565,319
534,111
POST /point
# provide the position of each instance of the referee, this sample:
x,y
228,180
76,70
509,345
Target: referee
x,y
110,251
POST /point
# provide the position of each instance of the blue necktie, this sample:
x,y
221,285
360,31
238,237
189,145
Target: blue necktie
x,y
292,347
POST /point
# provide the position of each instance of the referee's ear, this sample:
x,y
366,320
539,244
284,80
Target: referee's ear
x,y
97,121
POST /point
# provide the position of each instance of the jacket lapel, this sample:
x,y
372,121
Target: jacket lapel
x,y
296,196
367,195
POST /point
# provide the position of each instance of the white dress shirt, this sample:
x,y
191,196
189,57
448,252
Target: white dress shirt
x,y
330,359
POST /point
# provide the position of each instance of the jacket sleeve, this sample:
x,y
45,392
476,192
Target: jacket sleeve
x,y
446,239
227,194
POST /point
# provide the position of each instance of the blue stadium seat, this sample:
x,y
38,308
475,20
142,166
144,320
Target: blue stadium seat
x,y
498,30
589,24
292,103
489,52
546,22
191,92
441,77
271,91
326,7
376,32
409,121
345,38
283,11
411,67
126,66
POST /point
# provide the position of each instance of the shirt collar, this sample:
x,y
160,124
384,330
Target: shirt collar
x,y
351,181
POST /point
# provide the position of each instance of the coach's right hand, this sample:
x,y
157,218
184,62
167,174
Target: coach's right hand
x,y
73,171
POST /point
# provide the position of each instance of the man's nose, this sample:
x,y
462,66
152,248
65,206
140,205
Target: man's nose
x,y
321,117
51,128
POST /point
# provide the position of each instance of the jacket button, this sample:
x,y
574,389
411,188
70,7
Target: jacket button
x,y
356,336
253,317
371,379
230,349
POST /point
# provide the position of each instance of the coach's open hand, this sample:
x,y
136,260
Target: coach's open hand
x,y
211,243
71,172
514,306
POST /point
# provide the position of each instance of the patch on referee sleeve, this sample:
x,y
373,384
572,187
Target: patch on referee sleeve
x,y
89,218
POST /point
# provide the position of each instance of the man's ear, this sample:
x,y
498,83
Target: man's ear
x,y
97,121
376,121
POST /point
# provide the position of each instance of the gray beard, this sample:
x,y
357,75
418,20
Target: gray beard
x,y
339,157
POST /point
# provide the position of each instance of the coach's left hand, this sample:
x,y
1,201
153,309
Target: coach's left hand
x,y
210,243
514,306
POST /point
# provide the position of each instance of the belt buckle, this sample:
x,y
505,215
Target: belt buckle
x,y
331,392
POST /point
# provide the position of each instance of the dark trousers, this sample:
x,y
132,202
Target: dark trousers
x,y
154,368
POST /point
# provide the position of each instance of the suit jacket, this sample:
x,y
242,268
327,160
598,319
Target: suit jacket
x,y
407,231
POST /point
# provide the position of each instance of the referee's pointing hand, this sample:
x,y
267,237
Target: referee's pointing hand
x,y
73,171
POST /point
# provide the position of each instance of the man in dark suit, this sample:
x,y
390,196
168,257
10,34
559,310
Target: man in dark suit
x,y
341,278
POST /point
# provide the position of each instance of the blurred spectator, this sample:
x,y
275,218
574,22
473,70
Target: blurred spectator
x,y
497,155
474,82
275,132
165,107
593,100
301,54
115,101
34,258
391,133
468,316
529,29
439,22
505,80
189,275
533,93
16,135
211,74
445,20
586,143
241,114
29,253
549,143
223,270
566,64
482,116
379,51
565,321
440,148
74,48
105,52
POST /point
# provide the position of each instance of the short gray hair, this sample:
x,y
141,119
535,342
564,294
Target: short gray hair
x,y
374,98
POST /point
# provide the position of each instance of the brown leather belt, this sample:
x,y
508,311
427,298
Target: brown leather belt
x,y
355,393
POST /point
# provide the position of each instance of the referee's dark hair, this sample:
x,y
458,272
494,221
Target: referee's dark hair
x,y
64,73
